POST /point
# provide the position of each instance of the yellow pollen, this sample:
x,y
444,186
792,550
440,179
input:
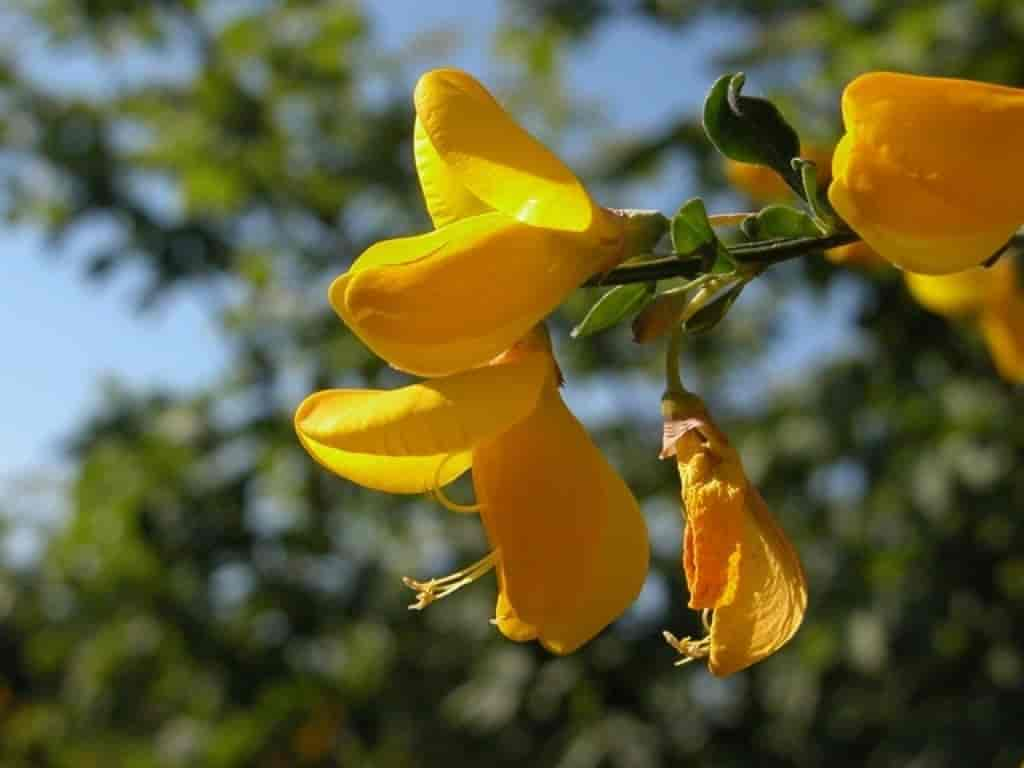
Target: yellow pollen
x,y
434,589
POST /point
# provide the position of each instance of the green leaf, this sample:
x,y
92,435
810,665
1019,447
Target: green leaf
x,y
779,221
692,233
821,211
749,129
708,317
613,307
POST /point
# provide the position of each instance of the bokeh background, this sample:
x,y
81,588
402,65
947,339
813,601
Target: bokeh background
x,y
181,586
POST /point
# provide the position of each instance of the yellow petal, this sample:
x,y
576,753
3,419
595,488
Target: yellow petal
x,y
963,292
928,171
737,560
1003,327
396,440
446,198
390,474
763,185
572,542
498,161
433,417
858,254
455,298
508,621
714,492
770,599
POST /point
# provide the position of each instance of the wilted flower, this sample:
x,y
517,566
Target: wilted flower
x,y
741,570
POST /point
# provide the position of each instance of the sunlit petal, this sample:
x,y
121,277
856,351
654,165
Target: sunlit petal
x,y
390,474
770,598
446,197
912,186
964,292
462,294
573,544
433,417
498,161
1003,327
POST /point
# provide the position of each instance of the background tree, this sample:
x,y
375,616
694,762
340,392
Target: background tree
x,y
214,598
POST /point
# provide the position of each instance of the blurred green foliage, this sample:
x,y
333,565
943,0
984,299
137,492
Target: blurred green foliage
x,y
216,599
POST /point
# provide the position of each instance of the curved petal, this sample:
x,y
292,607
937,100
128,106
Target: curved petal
x,y
390,474
963,292
873,208
714,491
770,598
446,198
455,298
433,417
912,187
498,161
572,543
1003,327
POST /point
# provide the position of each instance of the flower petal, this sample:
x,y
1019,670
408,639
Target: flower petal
x,y
390,474
737,560
714,491
770,599
435,417
446,198
455,298
1003,327
572,543
912,187
964,292
498,161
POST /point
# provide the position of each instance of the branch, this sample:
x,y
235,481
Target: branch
x,y
760,253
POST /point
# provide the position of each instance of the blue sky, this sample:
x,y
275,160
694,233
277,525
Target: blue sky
x,y
65,336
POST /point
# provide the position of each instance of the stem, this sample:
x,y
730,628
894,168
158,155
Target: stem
x,y
673,379
761,253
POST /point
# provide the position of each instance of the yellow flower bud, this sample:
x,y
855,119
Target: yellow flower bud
x,y
929,170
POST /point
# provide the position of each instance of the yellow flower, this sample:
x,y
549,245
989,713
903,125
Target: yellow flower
x,y
516,233
929,170
990,294
1002,325
763,185
858,254
740,568
568,541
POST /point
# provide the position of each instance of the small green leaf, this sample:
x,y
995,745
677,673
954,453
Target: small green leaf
x,y
779,221
706,318
821,211
749,129
692,233
613,307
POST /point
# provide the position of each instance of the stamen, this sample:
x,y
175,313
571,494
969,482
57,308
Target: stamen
x,y
442,498
434,589
688,648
